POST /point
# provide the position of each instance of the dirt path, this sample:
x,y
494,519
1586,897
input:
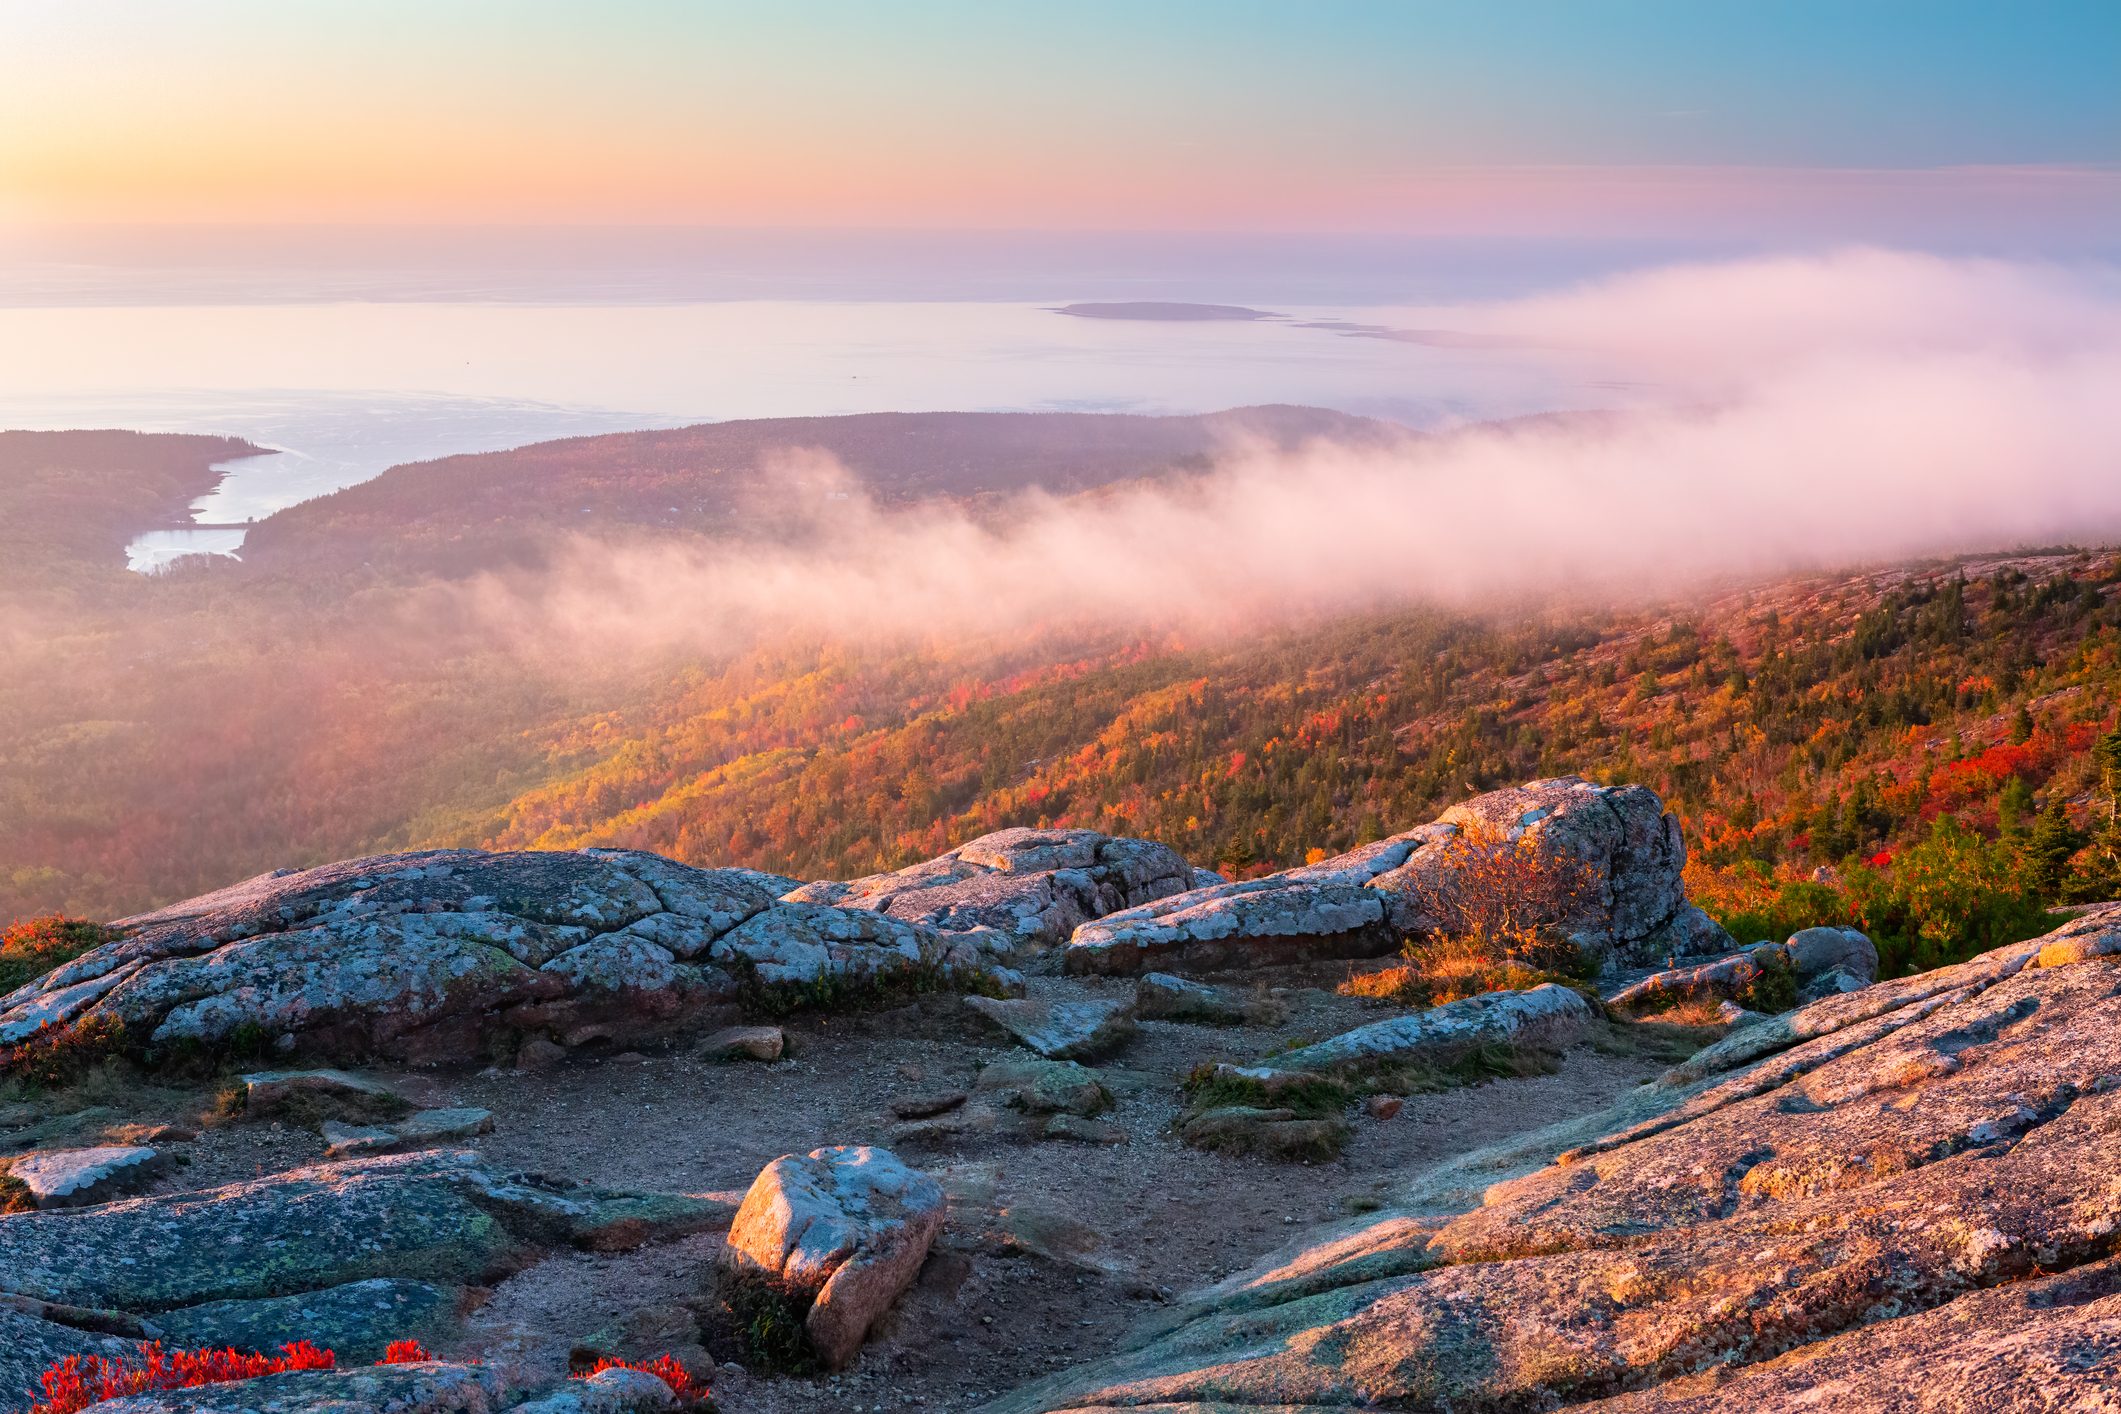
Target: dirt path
x,y
1053,1250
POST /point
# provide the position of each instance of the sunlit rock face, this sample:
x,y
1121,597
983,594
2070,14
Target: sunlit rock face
x,y
1366,902
1843,1187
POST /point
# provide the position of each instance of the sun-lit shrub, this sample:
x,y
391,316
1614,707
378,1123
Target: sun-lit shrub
x,y
663,1367
81,1380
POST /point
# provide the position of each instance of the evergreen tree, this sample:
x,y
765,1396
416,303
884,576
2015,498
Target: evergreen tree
x,y
2021,727
2048,853
2013,806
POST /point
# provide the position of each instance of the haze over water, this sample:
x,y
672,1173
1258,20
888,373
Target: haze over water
x,y
437,345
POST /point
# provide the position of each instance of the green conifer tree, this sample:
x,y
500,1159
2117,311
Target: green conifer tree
x,y
2048,852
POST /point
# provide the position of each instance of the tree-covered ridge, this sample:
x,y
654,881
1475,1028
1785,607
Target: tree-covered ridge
x,y
1822,721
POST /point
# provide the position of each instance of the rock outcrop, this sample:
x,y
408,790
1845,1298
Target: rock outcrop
x,y
1547,1015
1365,903
1031,888
1819,962
1060,1030
453,955
841,1232
1845,1192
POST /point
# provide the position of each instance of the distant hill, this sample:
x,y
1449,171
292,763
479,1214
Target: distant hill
x,y
467,513
76,499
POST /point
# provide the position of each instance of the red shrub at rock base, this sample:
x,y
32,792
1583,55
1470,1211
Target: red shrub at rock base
x,y
404,1352
663,1367
81,1380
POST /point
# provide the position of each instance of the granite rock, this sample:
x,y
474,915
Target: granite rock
x,y
845,1229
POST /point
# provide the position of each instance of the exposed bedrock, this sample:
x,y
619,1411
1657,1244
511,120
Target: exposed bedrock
x,y
1843,1188
451,955
1365,903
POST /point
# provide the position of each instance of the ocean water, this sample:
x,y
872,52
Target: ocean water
x,y
351,355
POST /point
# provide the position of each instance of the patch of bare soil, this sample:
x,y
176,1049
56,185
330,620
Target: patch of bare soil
x,y
1053,1249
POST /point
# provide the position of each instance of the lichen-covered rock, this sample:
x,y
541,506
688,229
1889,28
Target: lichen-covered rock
x,y
1365,902
1032,886
444,955
1159,996
1547,1015
801,943
1046,1087
30,1346
845,1229
1893,1152
615,1391
1060,1030
357,1322
439,1217
425,1129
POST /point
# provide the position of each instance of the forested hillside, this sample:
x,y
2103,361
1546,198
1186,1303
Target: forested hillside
x,y
1831,721
1927,735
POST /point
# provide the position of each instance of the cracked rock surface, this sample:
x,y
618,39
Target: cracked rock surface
x,y
1846,1195
457,955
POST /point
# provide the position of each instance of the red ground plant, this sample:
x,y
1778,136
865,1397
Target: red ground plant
x,y
663,1367
81,1380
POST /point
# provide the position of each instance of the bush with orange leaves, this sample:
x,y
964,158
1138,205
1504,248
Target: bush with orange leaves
x,y
1500,907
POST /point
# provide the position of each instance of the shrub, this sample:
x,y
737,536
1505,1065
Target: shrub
x,y
1508,898
1944,900
663,1367
30,949
404,1352
765,1316
61,1055
81,1380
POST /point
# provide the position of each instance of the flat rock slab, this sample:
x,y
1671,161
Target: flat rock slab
x,y
846,1227
1159,996
1549,1015
266,1090
1061,1030
436,1387
438,1217
760,1043
75,1178
425,1129
1083,1131
356,1321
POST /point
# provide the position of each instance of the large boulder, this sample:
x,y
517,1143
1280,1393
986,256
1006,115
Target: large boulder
x,y
1889,1153
1033,887
1367,902
456,955
840,1233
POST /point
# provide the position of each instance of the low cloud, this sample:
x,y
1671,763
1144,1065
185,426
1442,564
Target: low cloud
x,y
1808,411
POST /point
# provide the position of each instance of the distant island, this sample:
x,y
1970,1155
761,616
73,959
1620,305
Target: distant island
x,y
1153,309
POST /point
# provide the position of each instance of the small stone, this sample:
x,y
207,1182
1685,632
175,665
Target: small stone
x,y
1383,1106
428,1129
763,1043
924,1106
1061,1030
912,1072
966,1119
1083,1131
539,1054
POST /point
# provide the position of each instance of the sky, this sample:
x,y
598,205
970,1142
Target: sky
x,y
1604,118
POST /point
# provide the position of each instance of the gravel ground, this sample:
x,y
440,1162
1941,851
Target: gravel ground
x,y
1053,1250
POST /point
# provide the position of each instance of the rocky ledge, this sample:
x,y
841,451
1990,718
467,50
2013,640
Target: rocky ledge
x,y
1893,1198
